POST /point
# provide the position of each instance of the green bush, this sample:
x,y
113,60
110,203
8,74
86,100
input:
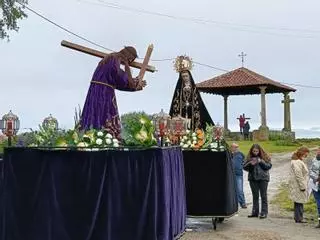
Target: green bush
x,y
286,143
138,129
275,136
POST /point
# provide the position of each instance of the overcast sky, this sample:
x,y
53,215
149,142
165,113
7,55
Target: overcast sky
x,y
39,77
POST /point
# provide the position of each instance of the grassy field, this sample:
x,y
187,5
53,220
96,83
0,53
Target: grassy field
x,y
278,146
283,201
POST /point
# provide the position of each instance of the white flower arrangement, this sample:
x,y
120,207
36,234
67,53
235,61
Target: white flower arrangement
x,y
192,140
99,141
202,140
95,140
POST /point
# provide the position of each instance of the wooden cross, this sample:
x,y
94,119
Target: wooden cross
x,y
142,66
245,118
242,55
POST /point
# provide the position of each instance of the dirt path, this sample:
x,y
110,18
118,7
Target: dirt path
x,y
240,227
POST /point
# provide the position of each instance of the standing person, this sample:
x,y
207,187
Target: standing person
x,y
246,130
238,160
315,176
242,120
258,164
298,182
100,109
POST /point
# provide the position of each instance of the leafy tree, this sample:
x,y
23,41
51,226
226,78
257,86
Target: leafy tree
x,y
10,12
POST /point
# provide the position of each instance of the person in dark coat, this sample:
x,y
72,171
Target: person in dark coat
x,y
246,130
258,164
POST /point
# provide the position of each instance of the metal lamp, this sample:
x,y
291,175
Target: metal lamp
x,y
50,123
161,122
179,126
10,124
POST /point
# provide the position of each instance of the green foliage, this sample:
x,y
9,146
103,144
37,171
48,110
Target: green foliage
x,y
283,201
77,117
47,137
25,139
2,146
276,135
286,143
309,142
10,13
137,129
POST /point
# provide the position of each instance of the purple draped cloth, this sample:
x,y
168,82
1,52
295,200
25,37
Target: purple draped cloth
x,y
100,109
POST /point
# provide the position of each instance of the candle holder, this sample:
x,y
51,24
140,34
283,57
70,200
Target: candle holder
x,y
218,131
161,122
50,123
179,127
10,124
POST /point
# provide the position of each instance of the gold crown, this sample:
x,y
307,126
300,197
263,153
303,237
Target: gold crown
x,y
183,63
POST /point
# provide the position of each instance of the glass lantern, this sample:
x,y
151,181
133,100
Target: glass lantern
x,y
179,126
10,125
218,131
161,122
50,123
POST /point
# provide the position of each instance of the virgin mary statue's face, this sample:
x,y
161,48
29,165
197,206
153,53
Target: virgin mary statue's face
x,y
186,78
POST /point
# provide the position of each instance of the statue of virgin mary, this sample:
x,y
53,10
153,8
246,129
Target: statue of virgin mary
x,y
187,101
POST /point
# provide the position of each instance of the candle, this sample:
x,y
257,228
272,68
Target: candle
x,y
9,125
161,127
9,128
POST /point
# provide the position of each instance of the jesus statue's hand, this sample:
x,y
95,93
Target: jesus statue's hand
x,y
141,84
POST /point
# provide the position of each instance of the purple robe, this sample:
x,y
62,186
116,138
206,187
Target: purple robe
x,y
100,109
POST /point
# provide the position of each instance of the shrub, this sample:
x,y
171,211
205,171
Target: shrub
x,y
286,143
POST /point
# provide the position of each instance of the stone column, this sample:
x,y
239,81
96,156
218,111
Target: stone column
x,y
225,99
263,107
287,113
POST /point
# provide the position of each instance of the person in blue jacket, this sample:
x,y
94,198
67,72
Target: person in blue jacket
x,y
238,159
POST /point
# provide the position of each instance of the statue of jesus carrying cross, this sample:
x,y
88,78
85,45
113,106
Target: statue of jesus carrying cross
x,y
100,109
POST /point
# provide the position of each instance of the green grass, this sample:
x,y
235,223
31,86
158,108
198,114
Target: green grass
x,y
282,200
1,148
278,146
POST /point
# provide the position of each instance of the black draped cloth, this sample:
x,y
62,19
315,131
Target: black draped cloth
x,y
210,184
1,191
188,103
102,195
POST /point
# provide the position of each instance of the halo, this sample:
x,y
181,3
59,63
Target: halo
x,y
183,63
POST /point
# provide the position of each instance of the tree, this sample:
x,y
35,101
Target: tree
x,y
10,12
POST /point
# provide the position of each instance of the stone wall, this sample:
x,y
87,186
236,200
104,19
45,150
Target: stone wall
x,y
262,135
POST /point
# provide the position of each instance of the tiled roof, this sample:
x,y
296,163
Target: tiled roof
x,y
243,80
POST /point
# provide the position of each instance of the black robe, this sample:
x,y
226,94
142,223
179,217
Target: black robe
x,y
189,104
